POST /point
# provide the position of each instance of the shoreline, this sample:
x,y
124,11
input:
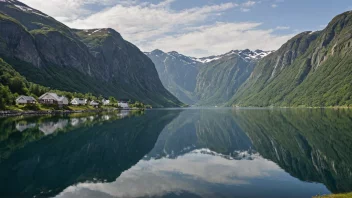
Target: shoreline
x,y
11,113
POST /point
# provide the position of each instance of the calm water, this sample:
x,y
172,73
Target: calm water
x,y
178,153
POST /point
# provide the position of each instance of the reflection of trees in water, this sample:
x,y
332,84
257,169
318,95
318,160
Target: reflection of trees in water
x,y
312,145
98,152
16,132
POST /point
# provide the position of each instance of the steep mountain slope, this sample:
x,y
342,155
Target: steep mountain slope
x,y
99,61
219,80
177,72
311,69
205,81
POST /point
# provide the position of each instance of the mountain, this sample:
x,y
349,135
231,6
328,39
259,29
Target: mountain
x,y
246,54
311,69
178,73
220,78
205,81
100,61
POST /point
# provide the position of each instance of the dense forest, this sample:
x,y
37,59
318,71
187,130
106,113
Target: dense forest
x,y
12,85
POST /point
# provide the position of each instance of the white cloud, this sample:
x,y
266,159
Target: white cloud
x,y
140,23
249,4
151,26
198,174
195,172
245,9
66,10
219,38
282,27
274,5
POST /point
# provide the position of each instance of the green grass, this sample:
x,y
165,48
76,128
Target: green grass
x,y
41,107
349,195
81,108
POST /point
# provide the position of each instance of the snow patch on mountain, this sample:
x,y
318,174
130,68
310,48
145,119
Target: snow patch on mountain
x,y
245,54
24,7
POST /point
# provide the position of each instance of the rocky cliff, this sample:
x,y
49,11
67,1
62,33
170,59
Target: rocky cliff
x,y
100,61
311,69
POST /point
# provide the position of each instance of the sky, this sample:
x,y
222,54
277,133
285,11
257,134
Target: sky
x,y
197,27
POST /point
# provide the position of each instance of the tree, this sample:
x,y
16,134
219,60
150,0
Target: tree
x,y
100,98
16,85
112,100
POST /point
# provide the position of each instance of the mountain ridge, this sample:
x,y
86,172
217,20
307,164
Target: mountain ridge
x,y
49,53
208,81
314,70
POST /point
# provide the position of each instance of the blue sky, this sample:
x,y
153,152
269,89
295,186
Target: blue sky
x,y
198,27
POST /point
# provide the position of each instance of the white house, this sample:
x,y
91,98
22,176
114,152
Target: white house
x,y
123,105
105,102
53,98
25,100
94,104
79,101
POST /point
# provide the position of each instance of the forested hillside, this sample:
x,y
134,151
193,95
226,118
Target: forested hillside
x,y
100,61
312,69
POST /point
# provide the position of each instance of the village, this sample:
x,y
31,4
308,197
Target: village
x,y
54,99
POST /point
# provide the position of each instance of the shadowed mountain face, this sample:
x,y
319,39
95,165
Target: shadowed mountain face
x,y
99,61
82,149
178,73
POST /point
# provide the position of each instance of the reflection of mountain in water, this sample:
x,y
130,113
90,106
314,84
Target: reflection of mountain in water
x,y
98,152
312,145
197,129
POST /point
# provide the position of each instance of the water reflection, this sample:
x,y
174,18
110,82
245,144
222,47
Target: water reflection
x,y
36,164
193,153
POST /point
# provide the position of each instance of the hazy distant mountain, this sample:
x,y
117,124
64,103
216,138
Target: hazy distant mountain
x,y
99,61
205,81
178,73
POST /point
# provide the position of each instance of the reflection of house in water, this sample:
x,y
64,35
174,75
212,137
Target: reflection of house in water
x,y
23,125
50,127
91,118
78,121
106,117
74,121
123,114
